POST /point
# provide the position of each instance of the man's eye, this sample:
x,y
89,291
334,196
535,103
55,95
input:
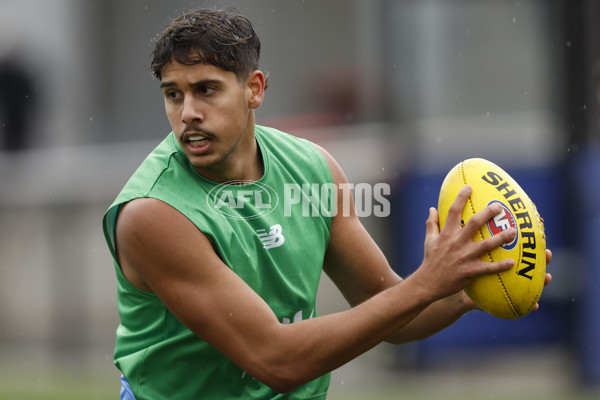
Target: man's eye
x,y
173,95
206,90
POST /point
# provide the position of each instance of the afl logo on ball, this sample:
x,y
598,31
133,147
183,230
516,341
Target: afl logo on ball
x,y
502,222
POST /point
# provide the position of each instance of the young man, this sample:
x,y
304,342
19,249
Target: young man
x,y
217,288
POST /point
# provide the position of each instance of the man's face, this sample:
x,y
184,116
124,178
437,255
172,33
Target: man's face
x,y
210,113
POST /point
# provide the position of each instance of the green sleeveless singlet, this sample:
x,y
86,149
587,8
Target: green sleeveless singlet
x,y
273,233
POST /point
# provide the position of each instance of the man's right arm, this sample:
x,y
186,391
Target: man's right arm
x,y
161,251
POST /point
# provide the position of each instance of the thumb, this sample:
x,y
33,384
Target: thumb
x,y
432,227
433,221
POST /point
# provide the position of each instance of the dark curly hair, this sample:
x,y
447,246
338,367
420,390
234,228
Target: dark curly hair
x,y
223,38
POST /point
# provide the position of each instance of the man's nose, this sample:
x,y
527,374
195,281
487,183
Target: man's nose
x,y
192,110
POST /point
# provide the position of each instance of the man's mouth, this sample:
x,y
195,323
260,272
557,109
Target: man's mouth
x,y
197,140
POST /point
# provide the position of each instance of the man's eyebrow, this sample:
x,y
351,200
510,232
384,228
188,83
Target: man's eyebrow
x,y
166,84
207,82
202,82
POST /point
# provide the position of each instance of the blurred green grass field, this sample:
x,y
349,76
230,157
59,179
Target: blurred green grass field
x,y
545,375
88,388
92,388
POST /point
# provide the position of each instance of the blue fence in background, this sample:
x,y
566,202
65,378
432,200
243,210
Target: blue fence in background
x,y
586,179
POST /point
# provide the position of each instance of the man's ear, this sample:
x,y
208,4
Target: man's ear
x,y
255,85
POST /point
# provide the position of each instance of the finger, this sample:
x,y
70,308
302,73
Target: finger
x,y
479,219
496,241
487,267
547,279
456,209
548,256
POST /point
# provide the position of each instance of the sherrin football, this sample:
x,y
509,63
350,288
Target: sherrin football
x,y
510,294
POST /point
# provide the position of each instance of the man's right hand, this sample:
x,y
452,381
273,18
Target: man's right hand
x,y
452,259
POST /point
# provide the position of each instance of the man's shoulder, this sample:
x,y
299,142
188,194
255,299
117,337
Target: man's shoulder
x,y
262,131
153,166
284,144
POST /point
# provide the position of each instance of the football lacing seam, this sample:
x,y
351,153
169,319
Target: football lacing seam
x,y
507,297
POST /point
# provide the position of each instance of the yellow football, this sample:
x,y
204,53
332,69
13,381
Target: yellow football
x,y
510,294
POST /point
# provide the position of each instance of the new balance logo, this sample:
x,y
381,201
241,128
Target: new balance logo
x,y
273,238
